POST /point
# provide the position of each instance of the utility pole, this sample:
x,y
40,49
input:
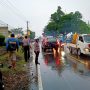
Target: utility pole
x,y
27,27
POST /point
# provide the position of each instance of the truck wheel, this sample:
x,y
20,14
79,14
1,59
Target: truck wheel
x,y
79,52
70,49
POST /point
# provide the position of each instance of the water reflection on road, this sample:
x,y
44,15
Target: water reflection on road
x,y
80,64
54,61
64,73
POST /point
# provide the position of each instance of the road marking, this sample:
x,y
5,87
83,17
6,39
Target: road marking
x,y
77,59
39,79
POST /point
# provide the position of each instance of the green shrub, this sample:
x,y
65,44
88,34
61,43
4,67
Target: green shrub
x,y
2,39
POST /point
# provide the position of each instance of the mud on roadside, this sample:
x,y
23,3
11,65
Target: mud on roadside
x,y
15,79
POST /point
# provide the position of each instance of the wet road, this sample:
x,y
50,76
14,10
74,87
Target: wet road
x,y
59,72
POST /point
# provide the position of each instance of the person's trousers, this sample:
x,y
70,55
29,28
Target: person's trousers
x,y
12,58
36,57
26,53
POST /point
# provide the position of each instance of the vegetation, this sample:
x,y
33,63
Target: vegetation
x,y
2,39
14,78
61,23
19,64
32,35
17,31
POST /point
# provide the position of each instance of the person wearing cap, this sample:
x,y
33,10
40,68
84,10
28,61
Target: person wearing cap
x,y
36,50
12,44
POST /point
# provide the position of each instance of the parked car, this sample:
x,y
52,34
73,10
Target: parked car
x,y
50,42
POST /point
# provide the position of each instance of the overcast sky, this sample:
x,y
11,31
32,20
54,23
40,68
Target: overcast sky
x,y
38,12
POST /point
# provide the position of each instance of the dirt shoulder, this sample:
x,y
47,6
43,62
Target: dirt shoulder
x,y
15,79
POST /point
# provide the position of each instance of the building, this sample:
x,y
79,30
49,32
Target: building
x,y
4,30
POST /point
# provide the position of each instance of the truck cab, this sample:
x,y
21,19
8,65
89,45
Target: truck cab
x,y
83,44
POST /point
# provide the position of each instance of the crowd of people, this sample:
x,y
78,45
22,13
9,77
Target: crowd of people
x,y
12,45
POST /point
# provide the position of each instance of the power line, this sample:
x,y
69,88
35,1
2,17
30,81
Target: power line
x,y
16,9
3,3
12,8
2,23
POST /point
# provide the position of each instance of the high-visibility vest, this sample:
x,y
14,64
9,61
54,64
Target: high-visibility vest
x,y
74,39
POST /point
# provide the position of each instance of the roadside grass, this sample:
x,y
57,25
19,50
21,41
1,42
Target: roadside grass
x,y
1,47
18,78
20,63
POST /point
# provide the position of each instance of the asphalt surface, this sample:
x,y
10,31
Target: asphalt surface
x,y
61,71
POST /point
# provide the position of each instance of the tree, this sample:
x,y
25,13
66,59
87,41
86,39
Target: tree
x,y
17,31
65,23
54,21
56,17
32,34
73,22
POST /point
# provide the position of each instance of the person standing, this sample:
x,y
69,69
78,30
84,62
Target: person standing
x,y
36,51
26,48
12,44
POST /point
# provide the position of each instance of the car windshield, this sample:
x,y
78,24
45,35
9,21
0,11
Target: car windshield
x,y
52,39
87,38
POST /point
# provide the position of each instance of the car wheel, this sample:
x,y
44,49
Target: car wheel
x,y
44,50
56,49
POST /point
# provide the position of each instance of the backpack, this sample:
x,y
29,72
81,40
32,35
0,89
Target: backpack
x,y
12,46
